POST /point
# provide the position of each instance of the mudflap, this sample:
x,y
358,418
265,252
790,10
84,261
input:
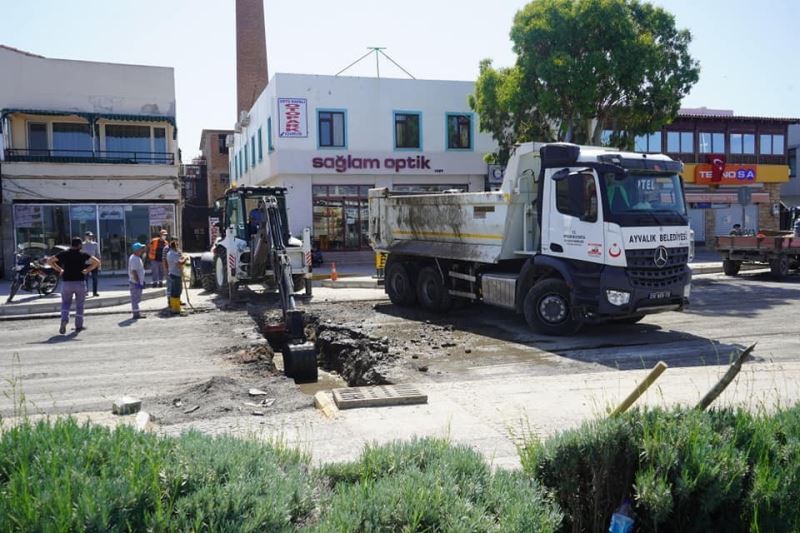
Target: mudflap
x,y
300,362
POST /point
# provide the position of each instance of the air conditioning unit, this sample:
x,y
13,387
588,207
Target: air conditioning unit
x,y
229,141
244,118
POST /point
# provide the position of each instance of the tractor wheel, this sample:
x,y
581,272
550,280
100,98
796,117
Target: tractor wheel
x,y
731,267
221,275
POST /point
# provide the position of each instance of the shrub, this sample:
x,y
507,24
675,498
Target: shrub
x,y
430,485
685,470
67,476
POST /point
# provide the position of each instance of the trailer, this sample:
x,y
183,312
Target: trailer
x,y
778,250
575,235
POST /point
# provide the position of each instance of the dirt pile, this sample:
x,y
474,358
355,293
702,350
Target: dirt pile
x,y
357,357
225,396
258,357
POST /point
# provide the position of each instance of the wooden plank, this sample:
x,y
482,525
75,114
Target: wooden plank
x,y
378,396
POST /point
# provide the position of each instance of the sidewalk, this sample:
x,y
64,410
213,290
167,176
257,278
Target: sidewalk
x,y
113,291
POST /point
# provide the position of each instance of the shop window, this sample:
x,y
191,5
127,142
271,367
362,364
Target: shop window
x,y
332,129
770,145
680,142
743,143
341,216
407,134
127,141
650,143
459,131
711,143
159,142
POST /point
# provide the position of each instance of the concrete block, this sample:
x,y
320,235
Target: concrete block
x,y
324,403
126,405
143,421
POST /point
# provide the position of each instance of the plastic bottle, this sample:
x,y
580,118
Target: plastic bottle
x,y
622,519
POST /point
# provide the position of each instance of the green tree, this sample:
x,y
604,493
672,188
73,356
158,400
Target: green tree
x,y
584,66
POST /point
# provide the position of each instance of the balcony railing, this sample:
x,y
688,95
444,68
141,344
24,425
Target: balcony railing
x,y
88,156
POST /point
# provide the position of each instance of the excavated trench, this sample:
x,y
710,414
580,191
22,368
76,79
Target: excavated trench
x,y
359,359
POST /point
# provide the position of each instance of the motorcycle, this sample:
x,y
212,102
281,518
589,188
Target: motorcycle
x,y
32,274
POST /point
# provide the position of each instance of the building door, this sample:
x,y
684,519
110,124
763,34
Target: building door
x,y
697,221
340,217
113,244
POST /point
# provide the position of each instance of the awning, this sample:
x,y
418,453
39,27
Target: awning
x,y
92,117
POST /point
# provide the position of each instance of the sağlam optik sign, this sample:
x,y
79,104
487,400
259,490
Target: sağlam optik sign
x,y
292,118
343,163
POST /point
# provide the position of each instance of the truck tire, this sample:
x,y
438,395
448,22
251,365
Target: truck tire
x,y
547,308
432,293
208,282
731,267
221,275
779,266
399,284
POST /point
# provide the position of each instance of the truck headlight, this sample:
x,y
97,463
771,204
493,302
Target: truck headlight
x,y
618,297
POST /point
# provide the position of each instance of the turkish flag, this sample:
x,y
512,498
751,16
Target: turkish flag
x,y
717,163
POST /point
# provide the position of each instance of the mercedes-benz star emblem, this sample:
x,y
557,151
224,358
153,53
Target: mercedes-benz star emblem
x,y
661,257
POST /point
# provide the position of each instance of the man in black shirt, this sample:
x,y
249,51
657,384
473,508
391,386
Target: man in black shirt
x,y
73,265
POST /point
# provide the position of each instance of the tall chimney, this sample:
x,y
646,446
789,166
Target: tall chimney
x,y
251,53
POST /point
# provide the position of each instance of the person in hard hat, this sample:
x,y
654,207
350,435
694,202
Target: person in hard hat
x,y
136,277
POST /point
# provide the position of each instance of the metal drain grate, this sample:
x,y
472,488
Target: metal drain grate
x,y
380,395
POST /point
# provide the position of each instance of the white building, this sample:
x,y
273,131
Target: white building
x,y
85,146
330,139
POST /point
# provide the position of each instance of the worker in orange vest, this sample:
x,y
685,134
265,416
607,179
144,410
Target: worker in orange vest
x,y
157,258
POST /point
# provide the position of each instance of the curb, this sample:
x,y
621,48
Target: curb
x,y
13,310
350,284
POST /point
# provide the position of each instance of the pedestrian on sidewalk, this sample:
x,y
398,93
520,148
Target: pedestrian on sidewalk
x,y
136,277
73,265
91,247
157,259
175,262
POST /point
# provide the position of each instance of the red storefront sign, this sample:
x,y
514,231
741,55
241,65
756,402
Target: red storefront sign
x,y
704,174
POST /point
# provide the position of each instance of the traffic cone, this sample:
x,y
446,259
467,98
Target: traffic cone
x,y
334,275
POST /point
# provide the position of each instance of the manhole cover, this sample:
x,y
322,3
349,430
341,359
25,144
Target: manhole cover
x,y
378,396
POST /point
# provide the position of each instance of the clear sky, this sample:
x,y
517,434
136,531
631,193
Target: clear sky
x,y
747,49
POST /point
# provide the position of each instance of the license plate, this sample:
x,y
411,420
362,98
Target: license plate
x,y
660,295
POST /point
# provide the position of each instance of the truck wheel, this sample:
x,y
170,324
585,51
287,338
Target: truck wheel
x,y
399,285
221,275
779,267
432,293
731,267
208,282
547,308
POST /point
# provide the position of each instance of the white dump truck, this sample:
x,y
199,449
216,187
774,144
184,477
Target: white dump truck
x,y
575,235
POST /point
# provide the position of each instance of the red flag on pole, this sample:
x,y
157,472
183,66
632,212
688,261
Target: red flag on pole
x,y
717,163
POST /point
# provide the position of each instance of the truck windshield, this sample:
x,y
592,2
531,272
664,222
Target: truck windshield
x,y
632,199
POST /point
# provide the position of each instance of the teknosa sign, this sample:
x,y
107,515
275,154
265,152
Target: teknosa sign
x,y
730,175
292,117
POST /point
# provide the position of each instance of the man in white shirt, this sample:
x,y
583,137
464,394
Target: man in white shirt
x,y
136,277
91,247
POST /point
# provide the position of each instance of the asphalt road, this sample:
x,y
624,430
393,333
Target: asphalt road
x,y
474,396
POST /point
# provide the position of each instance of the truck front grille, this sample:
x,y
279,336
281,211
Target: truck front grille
x,y
643,271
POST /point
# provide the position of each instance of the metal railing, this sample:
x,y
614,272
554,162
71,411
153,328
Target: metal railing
x,y
89,156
